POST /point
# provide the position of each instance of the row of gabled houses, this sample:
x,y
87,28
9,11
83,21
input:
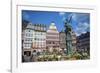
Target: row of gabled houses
x,y
39,37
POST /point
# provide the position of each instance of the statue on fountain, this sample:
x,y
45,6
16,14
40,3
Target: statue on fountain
x,y
68,30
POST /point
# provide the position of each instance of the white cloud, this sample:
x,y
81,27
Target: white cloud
x,y
82,25
74,17
25,15
82,28
61,13
63,18
79,17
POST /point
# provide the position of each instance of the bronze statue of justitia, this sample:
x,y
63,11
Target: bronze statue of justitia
x,y
68,29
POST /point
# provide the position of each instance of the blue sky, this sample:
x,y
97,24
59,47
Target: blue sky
x,y
80,21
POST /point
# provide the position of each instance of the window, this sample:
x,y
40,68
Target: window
x,y
34,38
28,30
53,42
28,53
